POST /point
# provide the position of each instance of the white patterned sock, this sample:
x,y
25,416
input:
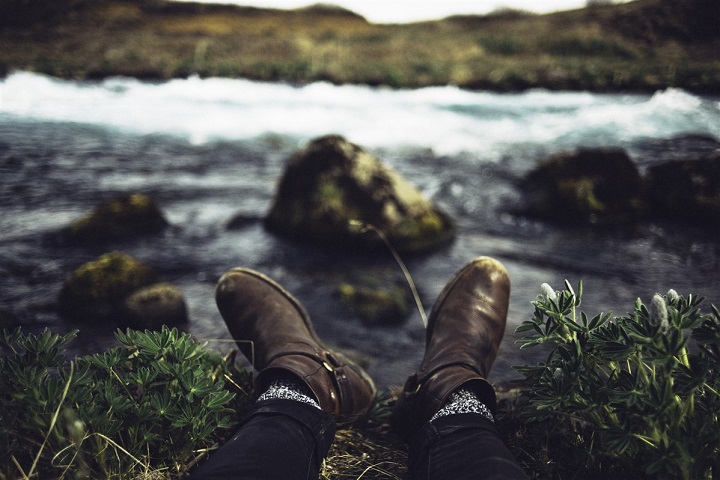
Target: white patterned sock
x,y
463,401
288,388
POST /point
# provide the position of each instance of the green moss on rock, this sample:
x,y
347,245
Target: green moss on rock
x,y
156,305
377,306
599,185
687,191
98,289
121,217
333,182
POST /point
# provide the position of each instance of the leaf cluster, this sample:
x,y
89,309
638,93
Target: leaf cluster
x,y
637,395
154,403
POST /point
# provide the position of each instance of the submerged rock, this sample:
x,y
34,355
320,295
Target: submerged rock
x,y
333,183
242,220
687,190
156,305
585,186
97,290
121,217
377,306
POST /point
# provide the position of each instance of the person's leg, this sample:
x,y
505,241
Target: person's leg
x,y
303,386
461,446
445,411
279,439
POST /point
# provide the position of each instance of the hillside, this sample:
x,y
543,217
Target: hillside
x,y
640,46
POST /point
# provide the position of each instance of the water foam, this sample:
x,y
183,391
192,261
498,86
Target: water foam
x,y
447,120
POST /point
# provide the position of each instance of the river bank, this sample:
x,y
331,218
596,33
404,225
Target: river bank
x,y
642,46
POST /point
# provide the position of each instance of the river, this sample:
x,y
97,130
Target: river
x,y
208,149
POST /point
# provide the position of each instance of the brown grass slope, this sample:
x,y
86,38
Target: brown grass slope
x,y
641,46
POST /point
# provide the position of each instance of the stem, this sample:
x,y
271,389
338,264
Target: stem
x,y
641,368
408,278
684,357
118,447
19,467
717,394
690,406
53,421
122,384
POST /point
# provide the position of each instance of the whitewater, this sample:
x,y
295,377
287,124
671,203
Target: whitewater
x,y
446,119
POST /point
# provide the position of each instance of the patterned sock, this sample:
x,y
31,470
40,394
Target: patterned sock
x,y
464,401
288,387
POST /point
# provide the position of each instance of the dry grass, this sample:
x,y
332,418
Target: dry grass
x,y
581,49
354,455
367,449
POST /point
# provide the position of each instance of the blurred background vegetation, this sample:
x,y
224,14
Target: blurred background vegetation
x,y
643,45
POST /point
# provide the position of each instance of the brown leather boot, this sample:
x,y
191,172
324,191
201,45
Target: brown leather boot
x,y
274,332
463,335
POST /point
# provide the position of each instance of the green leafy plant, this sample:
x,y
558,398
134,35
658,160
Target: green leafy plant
x,y
636,396
155,404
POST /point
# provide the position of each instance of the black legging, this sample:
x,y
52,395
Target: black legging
x,y
285,440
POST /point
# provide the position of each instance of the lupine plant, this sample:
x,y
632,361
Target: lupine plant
x,y
146,409
636,396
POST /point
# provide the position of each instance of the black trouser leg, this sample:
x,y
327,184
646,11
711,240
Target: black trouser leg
x,y
278,440
462,447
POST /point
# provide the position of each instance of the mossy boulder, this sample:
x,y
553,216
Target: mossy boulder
x,y
687,190
377,306
599,186
98,289
332,183
156,305
122,217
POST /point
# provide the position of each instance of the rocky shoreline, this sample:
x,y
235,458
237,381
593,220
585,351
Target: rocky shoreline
x,y
332,184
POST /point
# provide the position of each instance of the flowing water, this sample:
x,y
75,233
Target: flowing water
x,y
209,149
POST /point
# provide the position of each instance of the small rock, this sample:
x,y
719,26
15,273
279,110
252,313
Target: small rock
x,y
97,290
156,305
377,306
119,218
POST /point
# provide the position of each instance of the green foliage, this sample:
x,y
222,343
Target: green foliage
x,y
502,45
627,395
152,404
590,47
23,12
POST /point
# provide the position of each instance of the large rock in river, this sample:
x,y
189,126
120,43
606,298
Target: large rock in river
x,y
121,217
599,185
97,290
333,182
687,190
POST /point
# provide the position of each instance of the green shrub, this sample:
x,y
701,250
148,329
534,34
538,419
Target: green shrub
x,y
636,396
154,404
590,47
502,45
